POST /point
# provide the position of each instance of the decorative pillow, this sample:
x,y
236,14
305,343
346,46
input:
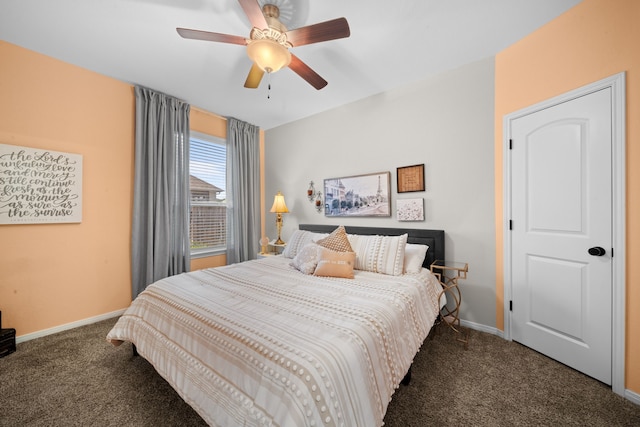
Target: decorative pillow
x,y
379,254
414,257
298,240
306,259
335,264
336,241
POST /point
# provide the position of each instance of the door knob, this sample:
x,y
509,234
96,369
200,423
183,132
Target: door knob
x,y
597,251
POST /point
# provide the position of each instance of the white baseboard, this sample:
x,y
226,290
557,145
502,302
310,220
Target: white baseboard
x,y
632,396
56,329
482,328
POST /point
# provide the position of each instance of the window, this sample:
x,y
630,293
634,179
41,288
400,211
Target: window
x,y
207,184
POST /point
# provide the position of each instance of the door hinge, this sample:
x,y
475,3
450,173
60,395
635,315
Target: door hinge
x,y
510,305
510,225
611,252
511,144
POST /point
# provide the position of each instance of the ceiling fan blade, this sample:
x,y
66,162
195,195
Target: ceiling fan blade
x,y
254,13
254,77
328,30
304,71
209,36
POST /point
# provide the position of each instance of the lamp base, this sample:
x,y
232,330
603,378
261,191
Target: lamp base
x,y
279,241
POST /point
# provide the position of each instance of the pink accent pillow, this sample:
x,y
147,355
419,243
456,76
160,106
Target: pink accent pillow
x,y
335,264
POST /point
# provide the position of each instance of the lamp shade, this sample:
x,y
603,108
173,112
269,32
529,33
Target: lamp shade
x,y
279,206
268,54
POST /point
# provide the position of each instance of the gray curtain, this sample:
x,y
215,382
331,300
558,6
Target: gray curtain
x,y
243,190
160,229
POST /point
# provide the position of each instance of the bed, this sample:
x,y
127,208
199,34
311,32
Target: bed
x,y
261,343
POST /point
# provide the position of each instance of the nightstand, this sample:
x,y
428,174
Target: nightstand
x,y
267,254
448,273
272,249
276,248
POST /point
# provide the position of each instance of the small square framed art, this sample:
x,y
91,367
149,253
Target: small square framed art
x,y
410,178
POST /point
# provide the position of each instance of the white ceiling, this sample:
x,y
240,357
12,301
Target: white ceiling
x,y
392,43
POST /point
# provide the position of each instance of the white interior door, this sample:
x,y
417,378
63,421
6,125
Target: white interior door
x,y
561,211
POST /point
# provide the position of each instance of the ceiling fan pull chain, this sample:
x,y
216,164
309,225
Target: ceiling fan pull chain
x,y
269,86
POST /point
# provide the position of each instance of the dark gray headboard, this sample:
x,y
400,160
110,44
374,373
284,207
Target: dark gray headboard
x,y
432,238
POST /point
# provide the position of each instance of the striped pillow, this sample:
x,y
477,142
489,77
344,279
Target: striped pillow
x,y
379,254
299,239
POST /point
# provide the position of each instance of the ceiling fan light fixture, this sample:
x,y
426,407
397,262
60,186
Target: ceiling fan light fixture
x,y
268,54
269,41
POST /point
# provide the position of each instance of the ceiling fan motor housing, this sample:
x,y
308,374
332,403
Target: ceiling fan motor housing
x,y
269,47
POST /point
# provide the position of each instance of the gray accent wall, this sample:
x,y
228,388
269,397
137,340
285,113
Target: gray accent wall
x,y
445,122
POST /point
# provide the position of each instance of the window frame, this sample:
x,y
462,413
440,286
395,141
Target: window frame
x,y
214,250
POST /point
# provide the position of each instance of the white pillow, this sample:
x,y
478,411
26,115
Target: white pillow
x,y
298,240
379,254
414,257
306,259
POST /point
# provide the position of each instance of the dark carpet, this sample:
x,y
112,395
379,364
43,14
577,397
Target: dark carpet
x,y
76,378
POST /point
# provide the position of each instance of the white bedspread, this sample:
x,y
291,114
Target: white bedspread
x,y
259,343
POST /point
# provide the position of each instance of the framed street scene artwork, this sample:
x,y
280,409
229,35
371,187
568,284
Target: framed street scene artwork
x,y
411,178
359,195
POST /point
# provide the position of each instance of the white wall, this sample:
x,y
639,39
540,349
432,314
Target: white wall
x,y
445,122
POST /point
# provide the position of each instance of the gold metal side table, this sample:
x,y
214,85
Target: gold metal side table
x,y
448,273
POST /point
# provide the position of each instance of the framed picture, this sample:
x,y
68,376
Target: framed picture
x,y
411,178
41,186
359,195
410,209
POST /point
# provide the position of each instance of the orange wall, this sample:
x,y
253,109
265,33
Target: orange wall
x,y
593,40
53,274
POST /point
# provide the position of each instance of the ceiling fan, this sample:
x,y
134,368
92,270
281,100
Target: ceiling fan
x,y
269,42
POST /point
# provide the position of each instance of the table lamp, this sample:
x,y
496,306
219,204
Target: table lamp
x,y
279,207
